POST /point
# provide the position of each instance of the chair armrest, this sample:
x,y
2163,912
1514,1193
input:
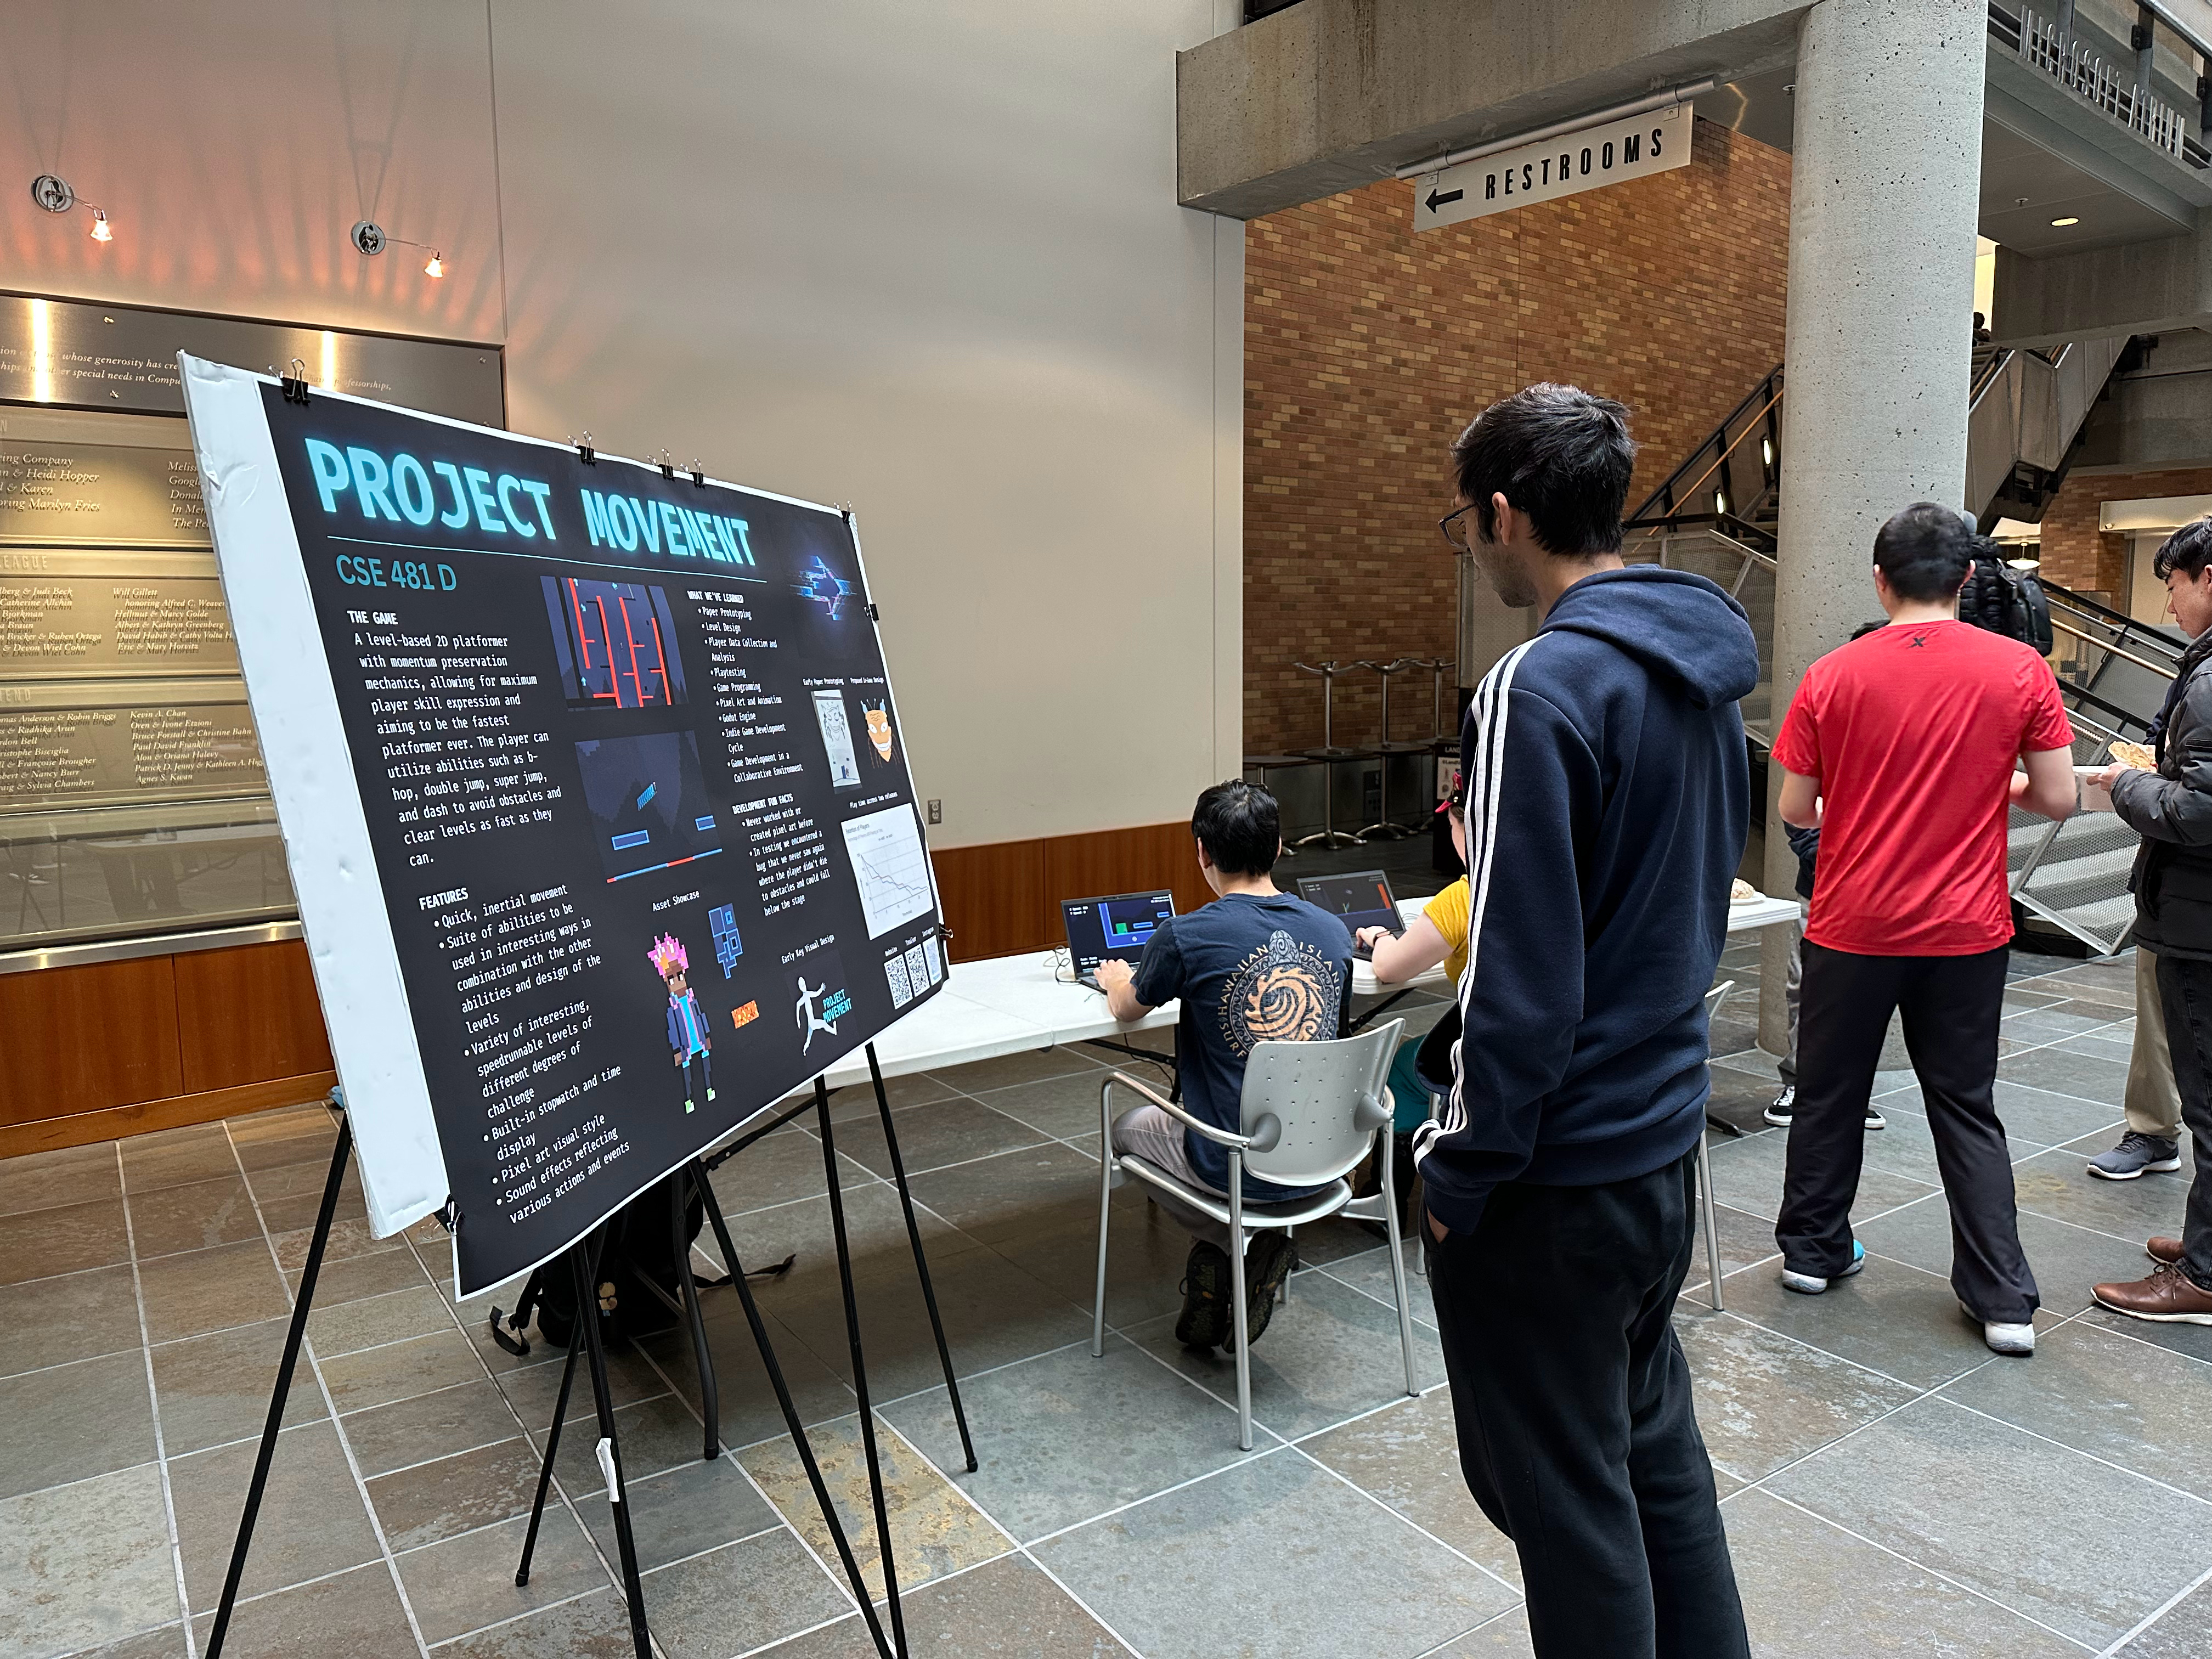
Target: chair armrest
x,y
1105,1112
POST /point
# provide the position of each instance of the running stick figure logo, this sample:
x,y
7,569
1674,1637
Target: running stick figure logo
x,y
809,1013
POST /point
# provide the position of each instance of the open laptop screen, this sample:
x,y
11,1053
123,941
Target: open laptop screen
x,y
1119,926
1361,899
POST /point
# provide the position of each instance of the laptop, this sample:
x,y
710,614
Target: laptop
x,y
1359,899
1119,926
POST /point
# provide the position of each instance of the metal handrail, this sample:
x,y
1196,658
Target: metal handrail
x,y
2107,646
1718,461
1717,434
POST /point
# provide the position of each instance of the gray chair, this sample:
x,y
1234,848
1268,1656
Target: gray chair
x,y
1310,1113
1715,999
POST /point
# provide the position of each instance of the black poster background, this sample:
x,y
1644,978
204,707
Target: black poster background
x,y
524,821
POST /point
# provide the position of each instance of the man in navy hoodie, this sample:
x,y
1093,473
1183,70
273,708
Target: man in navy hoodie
x,y
1606,804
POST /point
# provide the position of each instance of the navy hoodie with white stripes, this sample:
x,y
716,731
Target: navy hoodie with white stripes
x,y
1607,795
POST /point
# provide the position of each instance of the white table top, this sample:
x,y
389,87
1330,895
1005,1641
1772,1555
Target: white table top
x,y
1008,1005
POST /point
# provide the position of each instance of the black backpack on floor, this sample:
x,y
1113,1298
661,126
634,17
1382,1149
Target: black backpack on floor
x,y
641,1251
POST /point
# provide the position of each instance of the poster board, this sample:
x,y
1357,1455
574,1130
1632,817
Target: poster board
x,y
594,796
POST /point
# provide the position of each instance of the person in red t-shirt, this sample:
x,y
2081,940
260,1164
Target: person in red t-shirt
x,y
1900,748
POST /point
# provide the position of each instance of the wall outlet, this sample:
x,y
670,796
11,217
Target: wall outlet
x,y
937,811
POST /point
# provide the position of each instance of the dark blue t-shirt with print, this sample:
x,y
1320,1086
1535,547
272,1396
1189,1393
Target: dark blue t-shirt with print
x,y
1249,968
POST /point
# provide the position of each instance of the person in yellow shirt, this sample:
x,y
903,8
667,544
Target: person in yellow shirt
x,y
1439,932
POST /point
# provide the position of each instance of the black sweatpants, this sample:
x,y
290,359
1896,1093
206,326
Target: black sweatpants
x,y
1951,1007
2184,986
1573,1402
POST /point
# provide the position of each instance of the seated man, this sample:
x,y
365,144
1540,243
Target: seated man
x,y
1255,965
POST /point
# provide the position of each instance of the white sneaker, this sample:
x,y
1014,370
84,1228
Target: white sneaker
x,y
1808,1285
2018,1340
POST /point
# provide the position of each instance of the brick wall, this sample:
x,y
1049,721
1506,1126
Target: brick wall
x,y
2076,554
1367,349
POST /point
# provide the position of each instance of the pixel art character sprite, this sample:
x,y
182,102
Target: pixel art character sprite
x,y
687,1042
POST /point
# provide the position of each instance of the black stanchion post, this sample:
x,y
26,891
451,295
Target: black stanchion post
x,y
920,1261
859,1365
791,1422
610,1452
277,1396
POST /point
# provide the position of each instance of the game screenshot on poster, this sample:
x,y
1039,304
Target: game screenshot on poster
x,y
637,792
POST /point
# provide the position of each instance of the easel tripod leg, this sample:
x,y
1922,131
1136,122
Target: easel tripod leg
x,y
293,1339
791,1422
859,1365
710,1400
552,1443
610,1453
920,1261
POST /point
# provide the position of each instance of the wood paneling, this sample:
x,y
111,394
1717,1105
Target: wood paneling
x,y
993,897
246,1015
1138,861
84,1127
1005,896
80,1039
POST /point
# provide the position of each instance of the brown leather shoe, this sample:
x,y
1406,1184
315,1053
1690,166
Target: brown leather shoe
x,y
2166,1251
2168,1296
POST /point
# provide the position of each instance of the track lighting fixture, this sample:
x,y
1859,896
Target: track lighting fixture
x,y
53,193
372,238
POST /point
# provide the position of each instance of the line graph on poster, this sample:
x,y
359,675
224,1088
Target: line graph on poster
x,y
890,867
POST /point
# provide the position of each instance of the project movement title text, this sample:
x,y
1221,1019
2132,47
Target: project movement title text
x,y
400,489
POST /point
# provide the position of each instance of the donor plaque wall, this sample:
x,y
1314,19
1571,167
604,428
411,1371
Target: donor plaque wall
x,y
593,790
132,797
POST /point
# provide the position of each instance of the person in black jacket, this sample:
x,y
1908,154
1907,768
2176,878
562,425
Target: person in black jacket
x,y
2172,809
1607,802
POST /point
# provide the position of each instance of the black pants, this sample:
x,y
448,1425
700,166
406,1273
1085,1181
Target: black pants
x,y
1573,1402
2184,986
705,1063
1951,1007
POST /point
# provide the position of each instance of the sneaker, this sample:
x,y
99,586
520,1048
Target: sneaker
x,y
2136,1154
1807,1285
1205,1320
1267,1265
2164,1250
1785,1108
2169,1295
2017,1340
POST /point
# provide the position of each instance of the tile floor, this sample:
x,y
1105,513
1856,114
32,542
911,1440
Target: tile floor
x,y
1889,1486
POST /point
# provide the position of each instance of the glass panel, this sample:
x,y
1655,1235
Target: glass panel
x,y
127,871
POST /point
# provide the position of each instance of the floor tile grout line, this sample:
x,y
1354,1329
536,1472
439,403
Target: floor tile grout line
x,y
783,1520
557,1490
1956,1583
1507,1613
1243,1460
2159,1612
1401,1516
2120,1468
81,1359
153,1409
345,1444
511,1618
1076,1596
2123,1331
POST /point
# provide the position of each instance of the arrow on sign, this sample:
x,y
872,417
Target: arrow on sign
x,y
1439,198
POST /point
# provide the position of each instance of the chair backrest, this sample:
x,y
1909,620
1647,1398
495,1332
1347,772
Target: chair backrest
x,y
1313,1108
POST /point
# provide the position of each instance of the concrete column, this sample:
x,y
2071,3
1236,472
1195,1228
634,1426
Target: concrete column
x,y
1883,197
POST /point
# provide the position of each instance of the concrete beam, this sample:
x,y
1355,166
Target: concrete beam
x,y
1331,94
2137,288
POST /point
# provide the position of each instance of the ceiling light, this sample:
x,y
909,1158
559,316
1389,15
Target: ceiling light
x,y
371,239
2061,224
53,193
